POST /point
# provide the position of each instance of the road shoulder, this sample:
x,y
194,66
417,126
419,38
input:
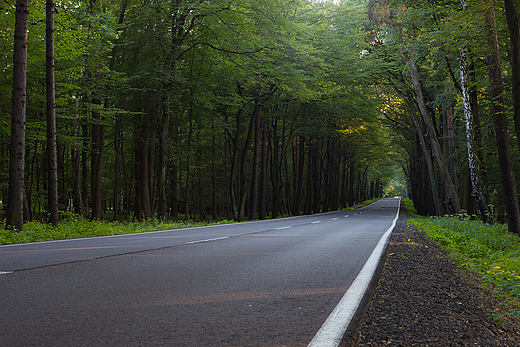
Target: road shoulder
x,y
423,299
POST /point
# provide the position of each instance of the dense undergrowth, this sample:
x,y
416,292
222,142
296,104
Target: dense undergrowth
x,y
489,250
76,227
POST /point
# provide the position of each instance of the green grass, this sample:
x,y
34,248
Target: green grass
x,y
73,226
77,227
364,203
489,250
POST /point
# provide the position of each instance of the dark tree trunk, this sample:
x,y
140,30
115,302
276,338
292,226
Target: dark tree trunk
x,y
214,175
98,150
52,167
499,117
161,164
453,199
262,213
84,172
514,34
299,167
256,167
15,207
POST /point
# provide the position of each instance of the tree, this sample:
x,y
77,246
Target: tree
x,y
15,215
514,35
52,169
499,117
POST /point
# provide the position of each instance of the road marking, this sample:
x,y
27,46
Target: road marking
x,y
208,240
332,331
281,228
334,218
346,216
318,221
5,272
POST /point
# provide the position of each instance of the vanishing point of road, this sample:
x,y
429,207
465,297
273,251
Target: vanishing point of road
x,y
282,282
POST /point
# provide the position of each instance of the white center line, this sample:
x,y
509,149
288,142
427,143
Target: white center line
x,y
334,218
287,227
5,272
318,221
346,216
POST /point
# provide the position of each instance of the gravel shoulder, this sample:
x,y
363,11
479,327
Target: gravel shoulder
x,y
423,299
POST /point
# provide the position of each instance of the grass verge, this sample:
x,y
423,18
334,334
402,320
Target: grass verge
x,y
488,250
77,227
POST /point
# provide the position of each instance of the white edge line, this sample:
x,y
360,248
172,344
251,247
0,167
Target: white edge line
x,y
332,331
208,240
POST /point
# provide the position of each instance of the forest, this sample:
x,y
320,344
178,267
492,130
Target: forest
x,y
244,110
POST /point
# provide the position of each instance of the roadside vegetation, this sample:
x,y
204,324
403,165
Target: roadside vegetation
x,y
78,227
486,249
74,226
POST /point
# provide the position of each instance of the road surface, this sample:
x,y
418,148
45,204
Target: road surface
x,y
265,283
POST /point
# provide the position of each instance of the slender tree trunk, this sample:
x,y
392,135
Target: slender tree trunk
x,y
161,165
214,175
256,167
451,192
76,173
17,147
262,213
188,159
52,194
98,150
84,172
474,165
243,160
499,117
514,35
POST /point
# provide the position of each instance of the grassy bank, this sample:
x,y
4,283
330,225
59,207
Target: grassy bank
x,y
489,250
76,227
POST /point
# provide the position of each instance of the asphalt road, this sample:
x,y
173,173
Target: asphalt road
x,y
266,283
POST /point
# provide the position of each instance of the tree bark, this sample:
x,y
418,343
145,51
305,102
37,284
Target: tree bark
x,y
500,121
262,212
256,166
52,167
97,154
17,147
451,192
514,35
474,165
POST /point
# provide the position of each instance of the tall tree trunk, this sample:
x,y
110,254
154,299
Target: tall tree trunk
x,y
474,165
499,117
256,167
299,167
451,192
514,35
84,172
262,212
97,154
17,147
243,160
52,167
213,175
161,161
76,173
188,159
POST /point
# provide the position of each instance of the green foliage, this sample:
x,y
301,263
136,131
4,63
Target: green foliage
x,y
490,250
77,227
